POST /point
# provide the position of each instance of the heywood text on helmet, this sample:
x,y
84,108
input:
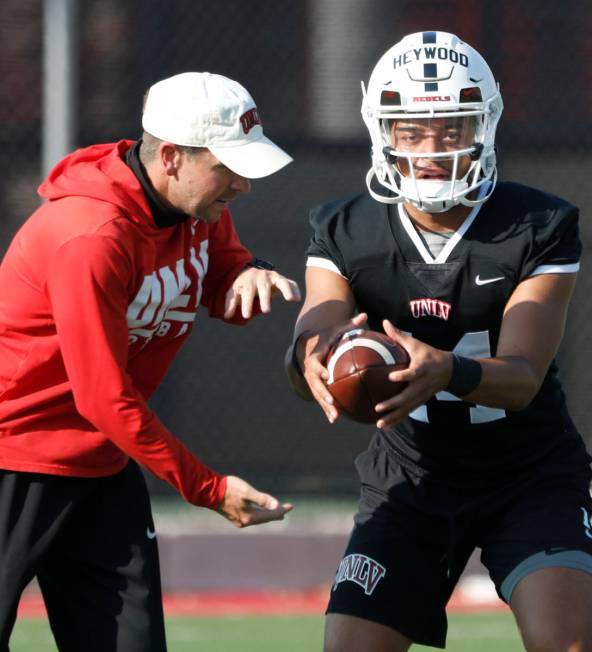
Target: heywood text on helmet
x,y
444,54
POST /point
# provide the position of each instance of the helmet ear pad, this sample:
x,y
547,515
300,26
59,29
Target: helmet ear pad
x,y
430,75
475,155
389,156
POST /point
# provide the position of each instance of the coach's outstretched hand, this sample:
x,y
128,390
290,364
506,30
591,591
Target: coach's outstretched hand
x,y
243,505
260,284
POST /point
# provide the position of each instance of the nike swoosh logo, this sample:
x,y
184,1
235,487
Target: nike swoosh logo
x,y
485,281
151,534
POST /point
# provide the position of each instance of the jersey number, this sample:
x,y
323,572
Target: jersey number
x,y
472,345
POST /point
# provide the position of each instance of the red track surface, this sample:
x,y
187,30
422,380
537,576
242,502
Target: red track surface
x,y
229,603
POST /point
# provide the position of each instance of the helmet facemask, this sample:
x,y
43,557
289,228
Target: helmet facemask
x,y
463,108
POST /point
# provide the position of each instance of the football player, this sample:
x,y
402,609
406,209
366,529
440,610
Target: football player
x,y
473,277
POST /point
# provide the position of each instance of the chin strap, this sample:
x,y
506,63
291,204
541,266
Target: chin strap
x,y
385,199
484,191
399,199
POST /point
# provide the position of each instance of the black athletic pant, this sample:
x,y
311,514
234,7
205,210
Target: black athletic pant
x,y
90,543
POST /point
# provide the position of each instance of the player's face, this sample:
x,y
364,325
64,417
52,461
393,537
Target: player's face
x,y
422,137
204,186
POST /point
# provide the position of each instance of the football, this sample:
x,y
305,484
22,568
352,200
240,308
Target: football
x,y
359,363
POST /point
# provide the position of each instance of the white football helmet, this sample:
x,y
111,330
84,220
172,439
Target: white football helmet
x,y
432,75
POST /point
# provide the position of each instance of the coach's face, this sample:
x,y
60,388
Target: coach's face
x,y
199,185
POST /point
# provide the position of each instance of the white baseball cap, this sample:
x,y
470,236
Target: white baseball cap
x,y
200,109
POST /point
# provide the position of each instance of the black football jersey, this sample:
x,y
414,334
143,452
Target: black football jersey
x,y
456,302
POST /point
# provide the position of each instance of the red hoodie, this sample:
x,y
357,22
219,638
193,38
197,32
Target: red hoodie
x,y
95,301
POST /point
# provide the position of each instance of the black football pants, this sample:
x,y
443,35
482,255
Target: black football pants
x,y
90,543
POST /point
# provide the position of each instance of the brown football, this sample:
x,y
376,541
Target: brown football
x,y
359,363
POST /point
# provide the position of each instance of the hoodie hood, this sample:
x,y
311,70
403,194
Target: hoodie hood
x,y
99,172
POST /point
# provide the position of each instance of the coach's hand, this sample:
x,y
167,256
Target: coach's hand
x,y
262,284
243,505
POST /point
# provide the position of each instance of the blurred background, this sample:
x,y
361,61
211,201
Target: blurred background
x,y
75,72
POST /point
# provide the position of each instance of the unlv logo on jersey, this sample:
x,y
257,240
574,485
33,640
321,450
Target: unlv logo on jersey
x,y
430,308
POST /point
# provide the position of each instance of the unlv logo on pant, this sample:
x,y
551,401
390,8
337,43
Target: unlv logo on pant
x,y
167,296
362,570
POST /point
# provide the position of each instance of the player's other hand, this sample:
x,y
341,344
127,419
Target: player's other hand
x,y
262,284
313,347
428,373
243,505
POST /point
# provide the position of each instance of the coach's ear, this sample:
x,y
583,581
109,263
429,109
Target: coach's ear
x,y
170,158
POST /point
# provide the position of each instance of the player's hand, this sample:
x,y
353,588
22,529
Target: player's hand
x,y
263,284
243,505
313,347
428,373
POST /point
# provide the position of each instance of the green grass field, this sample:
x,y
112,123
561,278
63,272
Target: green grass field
x,y
467,633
